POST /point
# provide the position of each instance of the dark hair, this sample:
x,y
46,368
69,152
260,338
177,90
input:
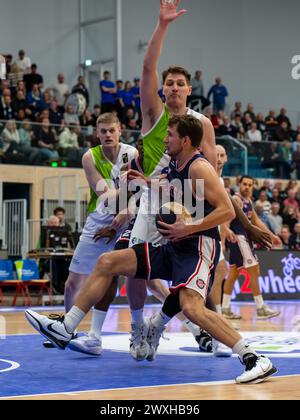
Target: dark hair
x,y
177,70
189,126
58,210
246,177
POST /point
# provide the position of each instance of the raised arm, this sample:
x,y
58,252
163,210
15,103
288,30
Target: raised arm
x,y
92,175
208,144
151,103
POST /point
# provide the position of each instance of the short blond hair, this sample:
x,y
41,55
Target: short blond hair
x,y
108,118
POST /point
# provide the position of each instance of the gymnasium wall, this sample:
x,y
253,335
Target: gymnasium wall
x,y
249,43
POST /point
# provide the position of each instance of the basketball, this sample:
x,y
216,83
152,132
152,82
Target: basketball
x,y
169,212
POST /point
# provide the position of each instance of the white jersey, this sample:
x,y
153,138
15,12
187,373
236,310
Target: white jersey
x,y
145,229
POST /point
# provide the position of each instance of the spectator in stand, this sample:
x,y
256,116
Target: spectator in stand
x,y
108,90
237,123
261,125
250,111
45,114
294,242
118,106
286,152
55,115
26,137
290,217
24,62
45,141
291,199
130,115
254,134
264,202
21,116
247,122
21,86
10,135
21,103
267,188
220,93
15,75
282,132
35,101
96,114
285,235
33,78
276,198
126,98
70,116
275,219
198,92
60,213
137,97
47,98
81,88
5,92
237,111
68,142
6,108
271,123
87,121
61,91
296,161
227,129
282,117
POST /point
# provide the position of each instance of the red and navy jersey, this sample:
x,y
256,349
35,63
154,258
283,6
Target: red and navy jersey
x,y
183,174
235,225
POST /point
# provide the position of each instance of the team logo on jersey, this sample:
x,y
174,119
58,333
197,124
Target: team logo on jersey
x,y
125,158
200,283
249,261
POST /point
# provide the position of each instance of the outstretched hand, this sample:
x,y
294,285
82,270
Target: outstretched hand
x,y
168,11
260,237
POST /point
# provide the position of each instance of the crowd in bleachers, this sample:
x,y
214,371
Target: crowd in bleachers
x,y
40,124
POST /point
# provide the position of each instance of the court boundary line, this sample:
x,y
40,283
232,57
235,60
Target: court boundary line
x,y
213,383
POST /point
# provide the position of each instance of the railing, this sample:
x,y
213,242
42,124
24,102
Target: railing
x,y
244,156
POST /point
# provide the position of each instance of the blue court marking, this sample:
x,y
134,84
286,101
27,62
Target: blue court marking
x,y
44,371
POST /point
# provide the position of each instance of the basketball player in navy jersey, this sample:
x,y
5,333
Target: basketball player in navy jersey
x,y
242,255
188,259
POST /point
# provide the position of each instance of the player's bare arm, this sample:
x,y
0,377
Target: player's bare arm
x,y
151,103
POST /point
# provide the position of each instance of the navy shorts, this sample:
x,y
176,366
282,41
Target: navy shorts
x,y
241,253
187,264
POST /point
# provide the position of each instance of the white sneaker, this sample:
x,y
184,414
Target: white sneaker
x,y
87,344
258,369
220,350
52,328
139,348
154,335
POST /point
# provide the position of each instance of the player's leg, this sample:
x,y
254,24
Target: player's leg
x,y
96,286
257,368
217,289
72,287
228,289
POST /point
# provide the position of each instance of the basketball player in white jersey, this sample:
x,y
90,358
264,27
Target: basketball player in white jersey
x,y
156,115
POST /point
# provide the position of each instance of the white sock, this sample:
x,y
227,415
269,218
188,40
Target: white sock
x,y
138,317
98,318
193,328
219,309
226,301
242,348
159,319
73,319
259,301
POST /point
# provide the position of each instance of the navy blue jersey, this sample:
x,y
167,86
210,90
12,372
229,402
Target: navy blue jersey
x,y
235,225
182,174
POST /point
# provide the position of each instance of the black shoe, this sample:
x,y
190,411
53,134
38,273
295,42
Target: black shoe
x,y
205,342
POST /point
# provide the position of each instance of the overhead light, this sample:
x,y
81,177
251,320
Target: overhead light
x,y
88,63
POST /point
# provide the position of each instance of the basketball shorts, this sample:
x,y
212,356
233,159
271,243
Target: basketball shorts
x,y
241,253
189,264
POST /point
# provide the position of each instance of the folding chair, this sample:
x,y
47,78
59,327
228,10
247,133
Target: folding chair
x,y
28,274
7,280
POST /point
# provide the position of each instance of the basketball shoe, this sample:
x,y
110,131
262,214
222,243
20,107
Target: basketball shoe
x,y
139,348
266,313
204,341
52,328
220,350
257,369
87,344
228,314
154,335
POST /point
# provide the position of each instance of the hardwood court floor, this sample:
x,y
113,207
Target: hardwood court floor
x,y
118,320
